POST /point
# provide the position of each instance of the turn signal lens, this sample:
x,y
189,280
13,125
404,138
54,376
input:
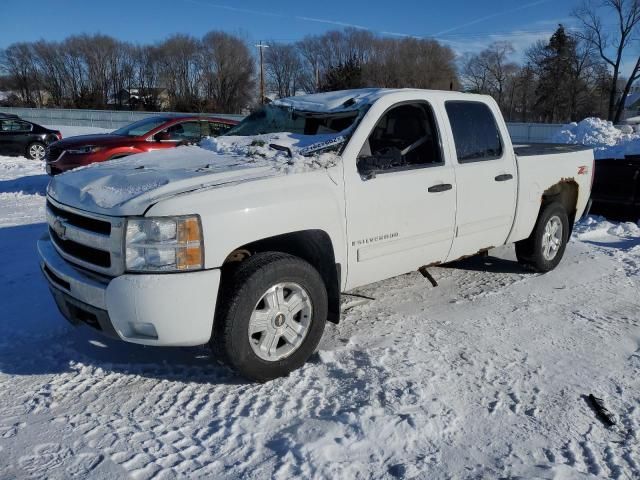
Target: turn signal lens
x,y
189,230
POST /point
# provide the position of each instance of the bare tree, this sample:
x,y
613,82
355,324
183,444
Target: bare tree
x,y
18,61
179,65
611,44
283,64
228,72
491,72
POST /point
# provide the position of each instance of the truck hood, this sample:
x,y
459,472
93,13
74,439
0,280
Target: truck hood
x,y
130,185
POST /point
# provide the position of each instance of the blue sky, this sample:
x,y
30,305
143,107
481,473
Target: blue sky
x,y
464,24
467,26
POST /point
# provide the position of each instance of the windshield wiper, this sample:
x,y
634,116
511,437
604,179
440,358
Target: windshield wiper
x,y
281,148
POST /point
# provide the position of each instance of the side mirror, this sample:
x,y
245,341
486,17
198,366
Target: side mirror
x,y
370,166
162,137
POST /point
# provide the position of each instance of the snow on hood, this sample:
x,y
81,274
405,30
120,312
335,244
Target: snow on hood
x,y
607,140
127,186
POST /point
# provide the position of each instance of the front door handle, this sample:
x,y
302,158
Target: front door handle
x,y
504,177
443,187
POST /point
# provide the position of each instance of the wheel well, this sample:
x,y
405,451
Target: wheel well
x,y
566,193
314,246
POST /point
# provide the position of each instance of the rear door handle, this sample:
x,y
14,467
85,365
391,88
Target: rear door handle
x,y
504,177
443,187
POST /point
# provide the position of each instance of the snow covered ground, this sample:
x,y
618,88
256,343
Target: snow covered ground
x,y
484,376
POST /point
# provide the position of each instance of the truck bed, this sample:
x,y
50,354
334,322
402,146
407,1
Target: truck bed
x,y
535,149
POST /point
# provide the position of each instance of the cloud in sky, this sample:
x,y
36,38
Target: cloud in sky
x,y
492,15
462,43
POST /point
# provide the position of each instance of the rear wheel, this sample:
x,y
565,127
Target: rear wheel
x,y
36,151
272,315
545,247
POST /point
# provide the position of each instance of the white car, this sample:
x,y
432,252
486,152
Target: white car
x,y
247,241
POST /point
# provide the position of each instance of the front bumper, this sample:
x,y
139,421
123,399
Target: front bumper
x,y
163,309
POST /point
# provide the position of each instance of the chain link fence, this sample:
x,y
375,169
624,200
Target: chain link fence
x,y
109,119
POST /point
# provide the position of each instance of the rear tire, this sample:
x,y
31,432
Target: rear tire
x,y
272,315
36,151
544,249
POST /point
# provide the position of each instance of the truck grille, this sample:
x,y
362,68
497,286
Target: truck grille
x,y
86,223
92,241
82,252
52,153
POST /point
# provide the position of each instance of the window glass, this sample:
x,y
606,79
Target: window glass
x,y
14,126
405,137
141,127
475,132
218,128
189,131
279,119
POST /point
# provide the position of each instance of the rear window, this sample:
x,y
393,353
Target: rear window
x,y
14,126
475,132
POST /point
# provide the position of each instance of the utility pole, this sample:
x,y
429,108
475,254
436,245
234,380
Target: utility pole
x,y
261,47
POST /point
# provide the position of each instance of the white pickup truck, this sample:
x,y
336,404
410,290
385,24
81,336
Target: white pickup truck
x,y
246,241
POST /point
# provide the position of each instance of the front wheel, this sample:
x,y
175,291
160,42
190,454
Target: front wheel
x,y
272,316
36,151
545,247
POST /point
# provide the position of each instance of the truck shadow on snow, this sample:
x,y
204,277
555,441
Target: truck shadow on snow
x,y
31,184
488,264
35,339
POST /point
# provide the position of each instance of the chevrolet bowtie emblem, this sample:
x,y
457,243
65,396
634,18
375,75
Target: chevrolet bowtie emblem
x,y
60,229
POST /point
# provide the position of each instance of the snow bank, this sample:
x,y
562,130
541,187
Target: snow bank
x,y
599,228
607,140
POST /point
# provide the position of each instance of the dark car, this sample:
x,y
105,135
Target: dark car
x,y
616,188
19,137
152,133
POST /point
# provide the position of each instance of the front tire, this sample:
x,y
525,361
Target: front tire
x,y
545,247
36,151
272,315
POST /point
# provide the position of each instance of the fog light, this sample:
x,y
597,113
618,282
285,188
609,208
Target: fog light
x,y
146,330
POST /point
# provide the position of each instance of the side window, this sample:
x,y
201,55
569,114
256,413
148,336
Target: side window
x,y
405,137
14,126
475,132
218,128
189,131
206,131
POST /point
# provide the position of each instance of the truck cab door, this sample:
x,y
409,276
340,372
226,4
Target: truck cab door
x,y
400,197
486,176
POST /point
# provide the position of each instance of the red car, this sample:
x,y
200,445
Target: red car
x,y
153,133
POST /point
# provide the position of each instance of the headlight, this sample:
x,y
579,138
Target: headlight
x,y
83,150
164,244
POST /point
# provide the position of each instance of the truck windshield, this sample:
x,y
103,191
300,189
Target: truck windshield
x,y
278,119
